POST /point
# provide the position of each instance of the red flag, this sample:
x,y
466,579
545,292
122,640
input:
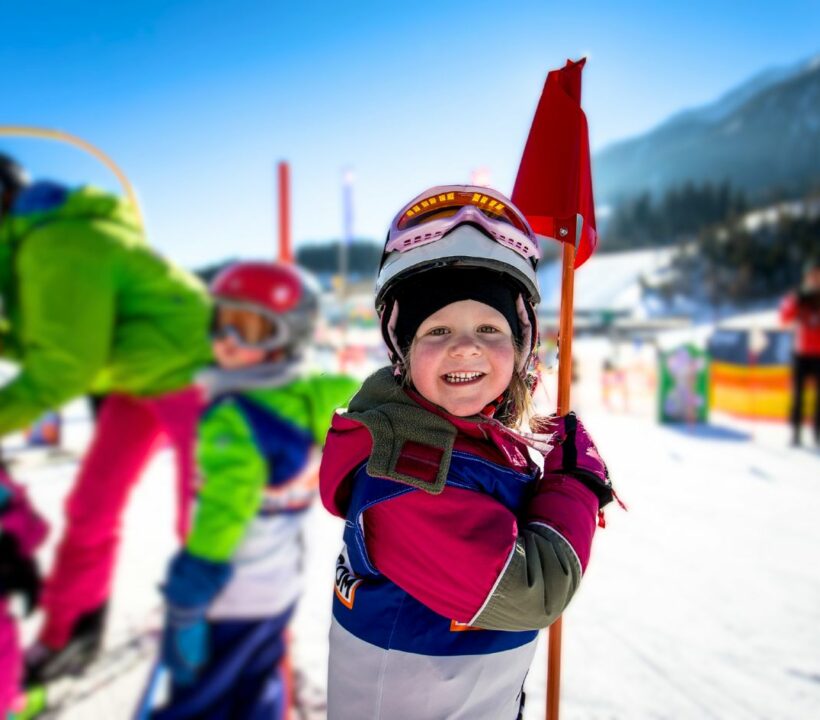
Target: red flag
x,y
554,183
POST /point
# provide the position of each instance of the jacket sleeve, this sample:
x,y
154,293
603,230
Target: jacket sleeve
x,y
234,475
550,556
463,555
67,301
788,309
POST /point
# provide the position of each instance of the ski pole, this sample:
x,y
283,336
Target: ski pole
x,y
145,706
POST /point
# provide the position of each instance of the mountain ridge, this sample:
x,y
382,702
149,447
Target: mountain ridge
x,y
763,136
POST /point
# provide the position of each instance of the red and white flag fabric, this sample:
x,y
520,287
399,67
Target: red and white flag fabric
x,y
554,184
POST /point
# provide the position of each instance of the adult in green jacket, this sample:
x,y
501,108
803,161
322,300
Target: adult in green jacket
x,y
88,307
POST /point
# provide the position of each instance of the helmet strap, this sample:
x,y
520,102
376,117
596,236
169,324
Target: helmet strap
x,y
393,346
526,319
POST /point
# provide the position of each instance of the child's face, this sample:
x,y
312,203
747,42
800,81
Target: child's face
x,y
462,357
231,354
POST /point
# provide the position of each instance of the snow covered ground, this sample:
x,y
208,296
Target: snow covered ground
x,y
702,601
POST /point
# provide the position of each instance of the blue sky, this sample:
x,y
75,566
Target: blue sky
x,y
197,101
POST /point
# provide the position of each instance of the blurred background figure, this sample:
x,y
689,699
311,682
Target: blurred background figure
x,y
22,530
613,383
802,308
232,590
90,308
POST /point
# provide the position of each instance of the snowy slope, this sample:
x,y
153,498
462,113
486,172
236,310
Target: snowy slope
x,y
703,601
610,281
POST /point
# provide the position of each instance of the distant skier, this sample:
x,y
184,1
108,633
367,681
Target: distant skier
x,y
90,308
21,532
232,590
457,547
802,308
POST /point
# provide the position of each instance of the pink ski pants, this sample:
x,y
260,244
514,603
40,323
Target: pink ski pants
x,y
129,431
10,662
19,520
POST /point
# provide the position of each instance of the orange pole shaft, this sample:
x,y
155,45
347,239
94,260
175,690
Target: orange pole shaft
x,y
554,669
564,387
565,329
285,254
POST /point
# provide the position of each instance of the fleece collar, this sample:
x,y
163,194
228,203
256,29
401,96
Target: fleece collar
x,y
405,438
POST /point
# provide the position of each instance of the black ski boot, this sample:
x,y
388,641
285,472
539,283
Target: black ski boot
x,y
44,664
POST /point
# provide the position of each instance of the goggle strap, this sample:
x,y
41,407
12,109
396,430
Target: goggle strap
x,y
526,332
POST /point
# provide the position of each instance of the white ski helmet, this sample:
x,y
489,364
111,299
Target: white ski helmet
x,y
459,226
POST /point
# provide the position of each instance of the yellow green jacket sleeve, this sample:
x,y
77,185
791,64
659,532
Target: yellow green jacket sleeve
x,y
66,311
234,474
87,306
234,471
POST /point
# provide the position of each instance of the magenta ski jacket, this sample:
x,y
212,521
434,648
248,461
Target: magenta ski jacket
x,y
456,550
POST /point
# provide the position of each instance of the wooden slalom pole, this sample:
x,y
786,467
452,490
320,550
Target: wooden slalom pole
x,y
285,253
564,388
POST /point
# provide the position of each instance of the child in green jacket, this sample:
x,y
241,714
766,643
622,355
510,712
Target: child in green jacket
x,y
232,590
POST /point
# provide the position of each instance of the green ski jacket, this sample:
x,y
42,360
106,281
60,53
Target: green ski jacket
x,y
87,307
241,437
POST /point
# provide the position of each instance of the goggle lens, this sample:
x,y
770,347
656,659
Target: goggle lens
x,y
246,327
446,204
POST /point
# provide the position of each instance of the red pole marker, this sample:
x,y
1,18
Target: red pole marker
x,y
553,189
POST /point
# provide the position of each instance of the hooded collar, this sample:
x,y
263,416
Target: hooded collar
x,y
409,440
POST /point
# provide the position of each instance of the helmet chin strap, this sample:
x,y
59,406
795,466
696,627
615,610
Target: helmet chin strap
x,y
397,358
529,341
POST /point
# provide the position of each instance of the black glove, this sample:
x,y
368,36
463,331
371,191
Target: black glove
x,y
575,454
18,574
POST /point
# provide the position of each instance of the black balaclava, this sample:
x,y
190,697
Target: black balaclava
x,y
420,296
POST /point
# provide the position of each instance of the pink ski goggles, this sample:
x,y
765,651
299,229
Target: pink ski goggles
x,y
431,216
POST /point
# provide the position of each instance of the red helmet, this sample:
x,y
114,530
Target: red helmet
x,y
285,294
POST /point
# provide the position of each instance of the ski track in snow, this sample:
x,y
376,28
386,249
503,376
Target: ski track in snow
x,y
702,601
